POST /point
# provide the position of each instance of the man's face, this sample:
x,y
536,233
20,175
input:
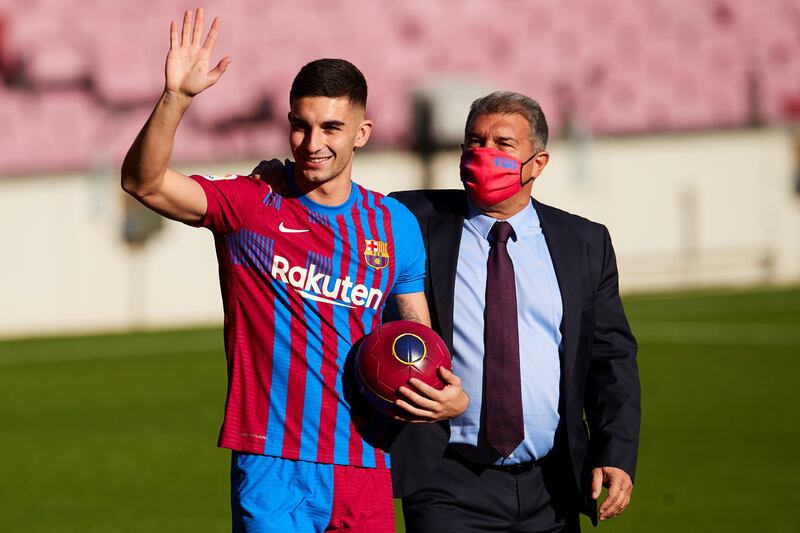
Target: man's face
x,y
324,133
509,133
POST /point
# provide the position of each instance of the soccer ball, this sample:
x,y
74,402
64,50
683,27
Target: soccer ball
x,y
394,353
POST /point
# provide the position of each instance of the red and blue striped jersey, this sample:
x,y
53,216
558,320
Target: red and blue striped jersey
x,y
301,283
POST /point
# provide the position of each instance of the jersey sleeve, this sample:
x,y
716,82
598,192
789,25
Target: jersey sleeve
x,y
230,198
408,248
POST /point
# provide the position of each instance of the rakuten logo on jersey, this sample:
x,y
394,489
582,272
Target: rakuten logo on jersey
x,y
316,286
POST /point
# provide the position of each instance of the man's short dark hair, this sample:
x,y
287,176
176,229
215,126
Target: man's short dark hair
x,y
332,78
511,103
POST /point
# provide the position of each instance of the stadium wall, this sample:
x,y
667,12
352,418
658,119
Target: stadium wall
x,y
685,210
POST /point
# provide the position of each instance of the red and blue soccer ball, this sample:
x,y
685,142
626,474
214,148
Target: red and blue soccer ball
x,y
394,353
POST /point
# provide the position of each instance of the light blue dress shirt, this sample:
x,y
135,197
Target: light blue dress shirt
x,y
539,312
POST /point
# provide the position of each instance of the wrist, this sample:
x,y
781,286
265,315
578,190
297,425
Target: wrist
x,y
176,98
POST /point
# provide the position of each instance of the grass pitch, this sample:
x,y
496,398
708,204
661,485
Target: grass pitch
x,y
116,433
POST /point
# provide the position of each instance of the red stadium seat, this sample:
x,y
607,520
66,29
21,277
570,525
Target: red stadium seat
x,y
615,65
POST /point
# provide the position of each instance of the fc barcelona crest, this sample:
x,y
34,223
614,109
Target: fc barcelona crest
x,y
376,253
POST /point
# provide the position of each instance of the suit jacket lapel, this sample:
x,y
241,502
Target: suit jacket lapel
x,y
565,253
444,240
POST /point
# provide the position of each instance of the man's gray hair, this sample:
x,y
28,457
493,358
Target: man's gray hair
x,y
508,103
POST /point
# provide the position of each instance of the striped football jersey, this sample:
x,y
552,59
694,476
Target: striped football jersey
x,y
301,283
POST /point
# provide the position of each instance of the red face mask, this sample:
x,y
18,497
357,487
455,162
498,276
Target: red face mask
x,y
491,175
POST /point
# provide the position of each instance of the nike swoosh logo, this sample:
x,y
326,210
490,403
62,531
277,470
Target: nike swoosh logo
x,y
316,298
284,229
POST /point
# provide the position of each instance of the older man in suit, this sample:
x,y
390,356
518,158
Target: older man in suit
x,y
526,297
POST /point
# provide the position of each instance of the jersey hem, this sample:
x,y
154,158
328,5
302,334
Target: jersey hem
x,y
253,448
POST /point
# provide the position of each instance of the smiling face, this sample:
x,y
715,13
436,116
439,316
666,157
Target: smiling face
x,y
324,133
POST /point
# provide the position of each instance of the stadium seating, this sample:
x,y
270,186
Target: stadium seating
x,y
79,79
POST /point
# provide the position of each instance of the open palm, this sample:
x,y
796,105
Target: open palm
x,y
188,69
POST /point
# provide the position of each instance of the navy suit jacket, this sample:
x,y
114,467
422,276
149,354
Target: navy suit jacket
x,y
599,402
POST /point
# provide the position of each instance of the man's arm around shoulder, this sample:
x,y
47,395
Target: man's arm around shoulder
x,y
424,203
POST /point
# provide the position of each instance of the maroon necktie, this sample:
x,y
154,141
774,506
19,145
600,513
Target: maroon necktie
x,y
503,396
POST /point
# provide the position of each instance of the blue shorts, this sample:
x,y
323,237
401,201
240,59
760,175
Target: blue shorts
x,y
271,494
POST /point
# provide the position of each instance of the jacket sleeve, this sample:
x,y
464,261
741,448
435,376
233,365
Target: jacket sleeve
x,y
612,401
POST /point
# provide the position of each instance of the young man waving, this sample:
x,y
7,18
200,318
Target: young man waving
x,y
305,272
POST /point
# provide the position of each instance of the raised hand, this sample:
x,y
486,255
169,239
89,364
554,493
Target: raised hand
x,y
188,69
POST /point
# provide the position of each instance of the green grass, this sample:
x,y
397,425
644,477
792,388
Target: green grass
x,y
117,433
720,432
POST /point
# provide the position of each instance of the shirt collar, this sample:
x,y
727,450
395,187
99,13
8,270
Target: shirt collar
x,y
524,222
331,210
